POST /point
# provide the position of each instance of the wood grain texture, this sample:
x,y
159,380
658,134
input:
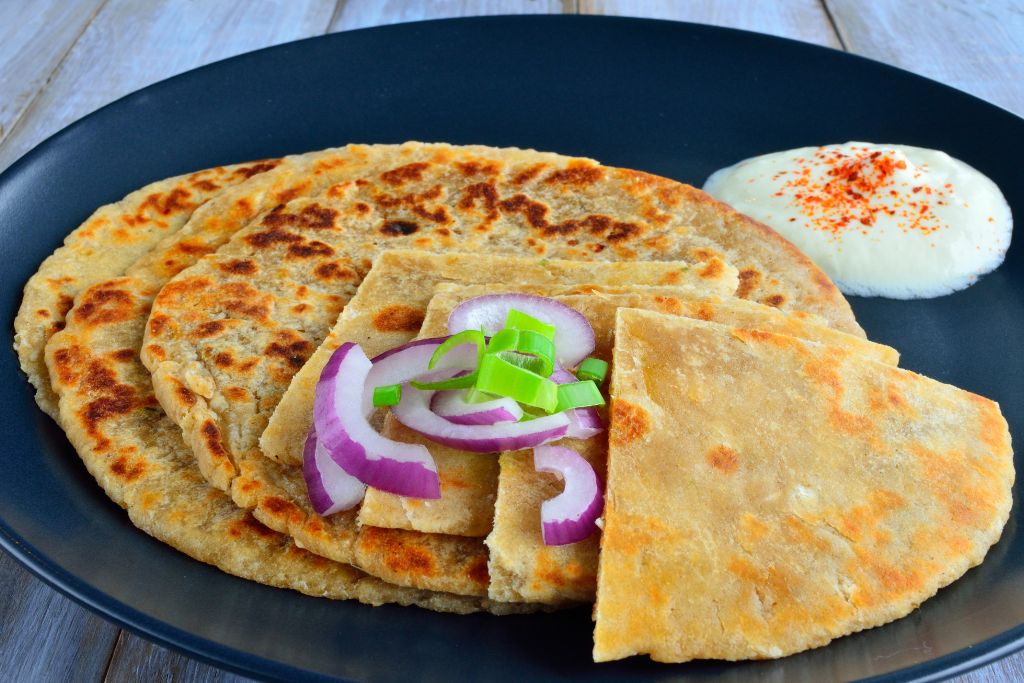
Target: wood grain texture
x,y
136,659
974,45
132,43
354,14
804,20
34,38
46,637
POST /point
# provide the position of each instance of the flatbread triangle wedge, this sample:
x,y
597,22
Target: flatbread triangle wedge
x,y
767,494
521,567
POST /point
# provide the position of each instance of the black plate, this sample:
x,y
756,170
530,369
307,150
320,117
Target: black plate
x,y
675,99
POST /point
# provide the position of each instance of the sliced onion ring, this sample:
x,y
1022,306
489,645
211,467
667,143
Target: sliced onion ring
x,y
583,422
452,406
574,337
409,361
340,420
414,412
331,489
570,516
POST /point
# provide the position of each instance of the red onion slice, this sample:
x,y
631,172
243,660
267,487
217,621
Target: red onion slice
x,y
409,361
340,420
331,489
570,516
452,406
414,412
574,337
583,422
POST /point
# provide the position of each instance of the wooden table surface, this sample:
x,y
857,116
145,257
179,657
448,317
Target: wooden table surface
x,y
62,59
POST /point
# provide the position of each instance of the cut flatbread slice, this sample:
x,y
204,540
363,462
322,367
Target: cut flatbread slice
x,y
766,495
466,510
388,309
277,496
521,566
387,312
467,507
454,564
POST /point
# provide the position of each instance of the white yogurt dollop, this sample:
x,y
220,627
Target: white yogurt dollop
x,y
881,220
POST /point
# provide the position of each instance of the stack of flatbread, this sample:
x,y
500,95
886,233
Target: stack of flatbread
x,y
773,480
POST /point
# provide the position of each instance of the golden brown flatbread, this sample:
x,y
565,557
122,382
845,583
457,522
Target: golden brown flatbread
x,y
802,492
521,566
109,241
467,508
245,319
389,307
136,453
398,288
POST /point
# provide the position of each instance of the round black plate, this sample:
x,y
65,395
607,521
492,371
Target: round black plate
x,y
674,99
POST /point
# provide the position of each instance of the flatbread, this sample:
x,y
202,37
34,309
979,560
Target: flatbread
x,y
390,305
467,509
521,567
398,288
466,506
109,241
137,454
115,304
217,332
837,495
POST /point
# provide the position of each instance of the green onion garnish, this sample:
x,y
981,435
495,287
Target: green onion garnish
x,y
521,321
578,395
388,395
474,395
593,369
465,337
539,350
503,378
462,381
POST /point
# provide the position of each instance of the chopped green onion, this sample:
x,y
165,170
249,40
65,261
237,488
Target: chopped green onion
x,y
578,395
530,413
503,378
503,340
462,381
388,395
521,321
474,395
465,337
593,369
521,360
535,351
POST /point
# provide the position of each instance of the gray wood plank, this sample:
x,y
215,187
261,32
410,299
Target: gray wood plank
x,y
34,39
133,43
46,637
977,46
1003,671
136,659
354,14
804,20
